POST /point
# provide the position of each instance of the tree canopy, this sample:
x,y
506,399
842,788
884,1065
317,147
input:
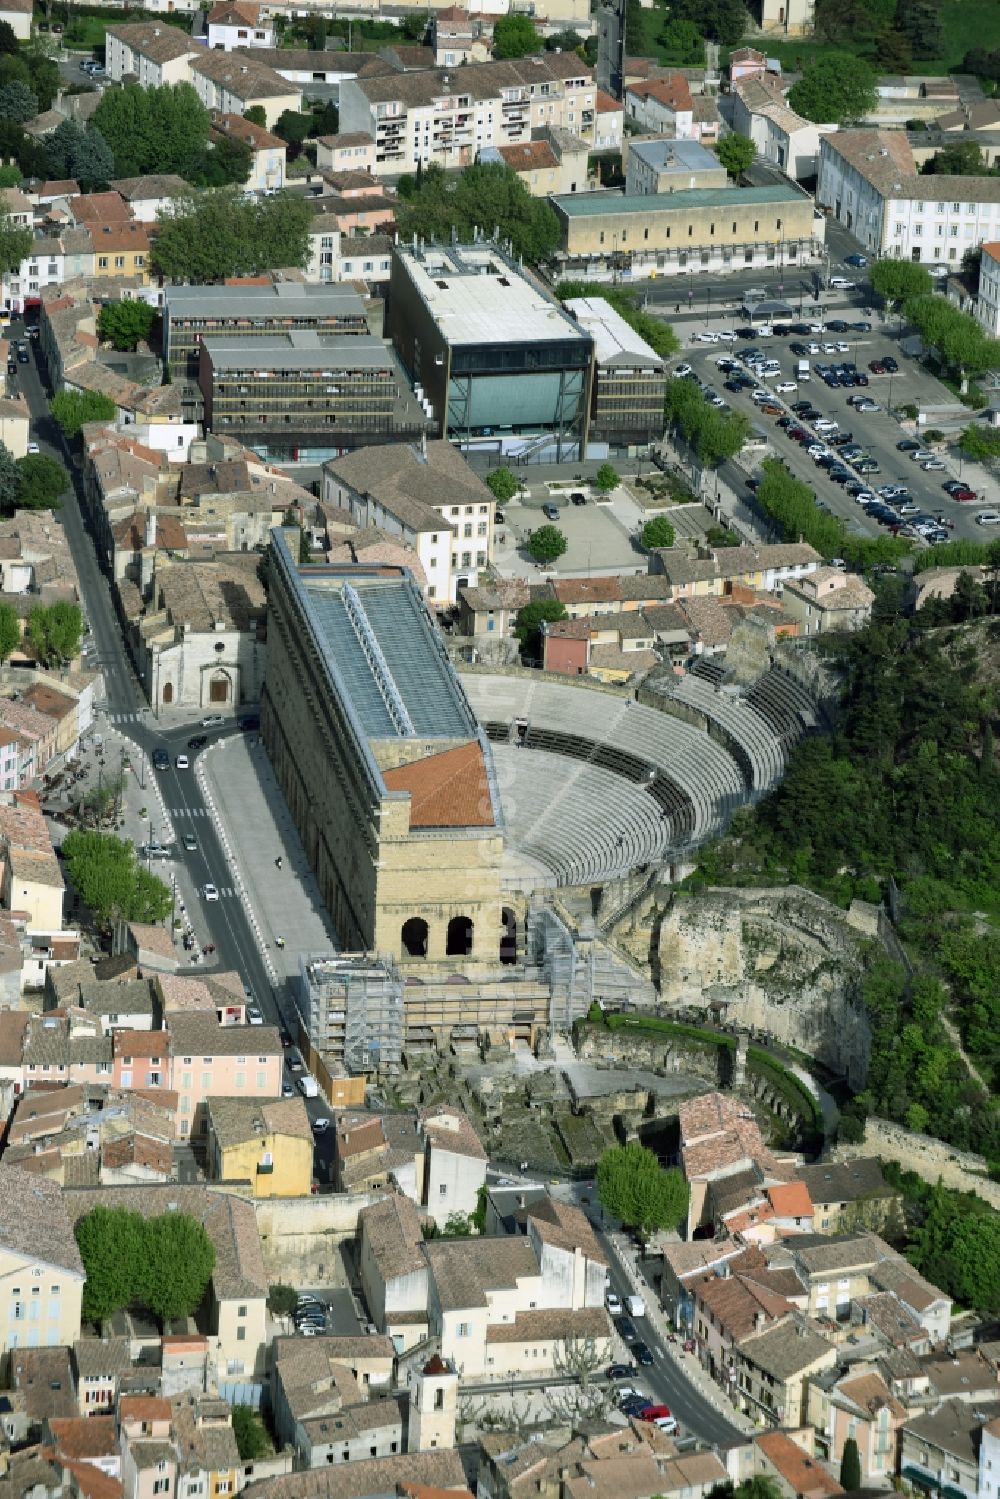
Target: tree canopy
x,y
834,88
899,280
530,620
850,1467
736,153
15,242
125,324
80,154
110,880
54,631
725,21
43,482
486,195
17,102
161,129
251,1437
959,159
714,435
72,409
958,338
658,532
634,1187
10,631
502,484
546,544
205,237
958,1249
607,478
163,1263
515,36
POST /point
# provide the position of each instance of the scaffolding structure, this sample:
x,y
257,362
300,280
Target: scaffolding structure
x,y
352,1008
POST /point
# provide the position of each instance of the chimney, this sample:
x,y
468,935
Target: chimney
x,y
151,528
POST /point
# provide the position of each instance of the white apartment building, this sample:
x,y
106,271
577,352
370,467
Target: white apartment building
x,y
868,179
51,262
449,115
783,137
149,53
988,305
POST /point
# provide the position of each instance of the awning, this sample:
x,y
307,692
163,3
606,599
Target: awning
x,y
921,1479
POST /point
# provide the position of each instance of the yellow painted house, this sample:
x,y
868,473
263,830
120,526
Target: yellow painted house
x,y
269,1145
41,1273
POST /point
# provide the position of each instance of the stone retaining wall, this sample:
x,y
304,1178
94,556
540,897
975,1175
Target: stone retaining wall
x,y
931,1159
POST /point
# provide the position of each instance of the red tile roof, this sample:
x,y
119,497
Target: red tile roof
x,y
791,1200
447,790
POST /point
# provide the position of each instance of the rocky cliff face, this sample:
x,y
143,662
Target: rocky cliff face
x,y
783,961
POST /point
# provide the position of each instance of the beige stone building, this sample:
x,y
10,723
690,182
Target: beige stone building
x,y
706,229
553,161
829,599
233,82
383,765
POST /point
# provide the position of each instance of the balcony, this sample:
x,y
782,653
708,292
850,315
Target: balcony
x,y
265,1168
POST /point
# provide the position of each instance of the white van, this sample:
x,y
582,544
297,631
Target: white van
x,y
308,1086
635,1306
802,372
988,518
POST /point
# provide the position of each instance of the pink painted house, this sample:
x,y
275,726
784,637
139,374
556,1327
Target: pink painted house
x,y
209,1060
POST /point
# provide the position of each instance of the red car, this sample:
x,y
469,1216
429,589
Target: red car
x,y
964,494
655,1413
877,367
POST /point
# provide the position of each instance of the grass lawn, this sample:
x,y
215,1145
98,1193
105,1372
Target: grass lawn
x,y
964,24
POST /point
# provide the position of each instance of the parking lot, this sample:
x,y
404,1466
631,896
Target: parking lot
x,y
599,536
843,345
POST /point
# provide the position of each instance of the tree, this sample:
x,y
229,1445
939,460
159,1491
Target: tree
x,y
43,482
983,62
834,88
293,128
563,41
529,624
110,882
895,54
179,1259
209,236
736,153
9,44
487,193
546,544
10,176
899,280
92,164
257,115
713,435
110,1241
960,159
980,443
658,532
683,44
54,632
125,324
502,484
10,631
282,1300
634,1187
17,102
758,1487
162,129
251,1438
958,338
725,21
15,242
607,478
515,36
850,1466
228,162
11,481
73,408
920,22
44,78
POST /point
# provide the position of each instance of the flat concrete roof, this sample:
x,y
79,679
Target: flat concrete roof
x,y
305,350
586,205
614,340
282,298
477,296
675,156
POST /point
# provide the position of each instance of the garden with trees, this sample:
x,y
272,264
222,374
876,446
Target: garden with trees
x,y
432,203
111,881
163,1264
635,1188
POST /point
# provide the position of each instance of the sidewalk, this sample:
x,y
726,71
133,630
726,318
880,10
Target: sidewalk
x,y
687,1363
255,829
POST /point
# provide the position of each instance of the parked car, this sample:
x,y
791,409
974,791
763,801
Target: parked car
x,y
614,1304
626,1328
643,1354
550,511
619,1371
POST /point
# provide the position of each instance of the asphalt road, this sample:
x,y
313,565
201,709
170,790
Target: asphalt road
x,y
225,922
665,1381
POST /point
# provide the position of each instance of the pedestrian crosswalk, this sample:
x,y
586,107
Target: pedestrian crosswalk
x,y
124,718
188,811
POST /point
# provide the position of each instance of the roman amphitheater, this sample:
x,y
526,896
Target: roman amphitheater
x,y
595,784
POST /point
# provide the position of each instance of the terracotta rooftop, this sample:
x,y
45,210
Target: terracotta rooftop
x,y
807,1477
791,1200
447,790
